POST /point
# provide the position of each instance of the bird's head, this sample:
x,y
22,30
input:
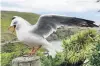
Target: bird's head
x,y
16,23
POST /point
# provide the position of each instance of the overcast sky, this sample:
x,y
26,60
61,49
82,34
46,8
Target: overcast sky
x,y
78,8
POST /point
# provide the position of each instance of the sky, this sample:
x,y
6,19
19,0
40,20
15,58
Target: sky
x,y
87,9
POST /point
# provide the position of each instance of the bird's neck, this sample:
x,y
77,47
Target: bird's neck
x,y
23,25
22,30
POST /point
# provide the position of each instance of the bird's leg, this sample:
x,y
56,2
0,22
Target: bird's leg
x,y
38,48
34,49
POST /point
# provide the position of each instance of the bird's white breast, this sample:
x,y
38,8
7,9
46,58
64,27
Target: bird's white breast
x,y
29,38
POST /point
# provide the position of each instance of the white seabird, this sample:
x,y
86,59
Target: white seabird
x,y
35,35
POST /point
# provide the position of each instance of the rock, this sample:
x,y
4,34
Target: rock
x,y
26,61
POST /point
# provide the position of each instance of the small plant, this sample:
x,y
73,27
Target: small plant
x,y
94,59
79,46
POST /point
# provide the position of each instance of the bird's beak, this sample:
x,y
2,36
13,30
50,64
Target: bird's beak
x,y
12,28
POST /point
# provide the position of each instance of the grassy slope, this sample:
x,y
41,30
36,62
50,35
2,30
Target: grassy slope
x,y
7,15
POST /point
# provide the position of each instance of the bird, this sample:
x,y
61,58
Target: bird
x,y
35,35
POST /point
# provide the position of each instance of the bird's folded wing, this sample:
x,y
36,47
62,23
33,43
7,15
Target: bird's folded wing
x,y
49,23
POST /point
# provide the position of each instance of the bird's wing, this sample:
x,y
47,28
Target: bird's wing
x,y
49,23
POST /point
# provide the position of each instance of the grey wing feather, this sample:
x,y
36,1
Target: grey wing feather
x,y
49,23
46,25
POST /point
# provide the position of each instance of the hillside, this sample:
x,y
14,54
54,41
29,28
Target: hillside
x,y
7,15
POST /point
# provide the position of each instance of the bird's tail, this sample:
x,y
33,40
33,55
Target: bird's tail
x,y
51,50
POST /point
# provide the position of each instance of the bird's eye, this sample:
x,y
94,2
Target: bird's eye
x,y
15,23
